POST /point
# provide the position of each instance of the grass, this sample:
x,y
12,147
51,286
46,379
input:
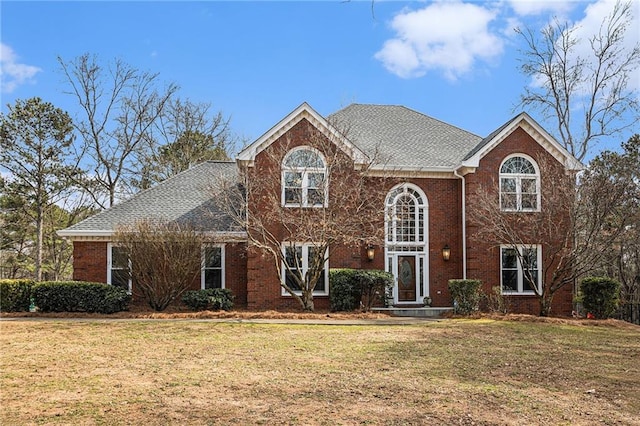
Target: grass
x,y
200,372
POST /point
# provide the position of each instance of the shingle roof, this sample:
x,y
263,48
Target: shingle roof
x,y
402,137
186,198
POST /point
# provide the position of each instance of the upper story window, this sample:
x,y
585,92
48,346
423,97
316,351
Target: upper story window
x,y
406,209
304,175
519,184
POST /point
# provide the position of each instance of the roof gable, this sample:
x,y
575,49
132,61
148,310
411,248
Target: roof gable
x,y
304,111
529,125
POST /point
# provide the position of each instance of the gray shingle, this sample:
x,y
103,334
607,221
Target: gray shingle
x,y
403,137
185,198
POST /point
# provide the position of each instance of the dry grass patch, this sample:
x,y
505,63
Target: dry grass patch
x,y
480,371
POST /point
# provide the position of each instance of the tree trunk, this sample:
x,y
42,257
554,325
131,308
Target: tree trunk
x,y
39,240
545,304
307,301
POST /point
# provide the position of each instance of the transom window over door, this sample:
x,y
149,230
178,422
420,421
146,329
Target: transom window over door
x,y
519,184
304,175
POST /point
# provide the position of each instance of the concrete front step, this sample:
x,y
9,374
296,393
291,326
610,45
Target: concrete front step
x,y
414,311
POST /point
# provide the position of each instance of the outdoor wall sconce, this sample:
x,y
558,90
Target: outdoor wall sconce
x,y
446,252
371,252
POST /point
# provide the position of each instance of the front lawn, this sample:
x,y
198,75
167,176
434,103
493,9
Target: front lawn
x,y
157,372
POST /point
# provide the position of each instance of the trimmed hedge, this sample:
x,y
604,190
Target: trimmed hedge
x,y
466,296
350,287
15,295
212,299
78,296
600,296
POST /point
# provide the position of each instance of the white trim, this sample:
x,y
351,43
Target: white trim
x,y
519,178
544,139
520,273
464,224
203,267
110,247
419,249
305,267
106,235
304,111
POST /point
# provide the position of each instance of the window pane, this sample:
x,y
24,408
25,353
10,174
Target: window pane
x,y
293,196
213,278
508,185
213,257
530,257
527,283
315,197
120,278
293,179
510,280
320,285
509,202
290,277
528,186
316,180
304,158
119,258
509,259
294,256
529,201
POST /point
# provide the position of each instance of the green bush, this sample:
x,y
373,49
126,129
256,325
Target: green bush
x,y
466,295
212,299
353,288
15,295
600,296
78,296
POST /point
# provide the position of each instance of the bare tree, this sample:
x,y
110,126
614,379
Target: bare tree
x,y
120,106
185,134
587,97
312,199
165,259
573,226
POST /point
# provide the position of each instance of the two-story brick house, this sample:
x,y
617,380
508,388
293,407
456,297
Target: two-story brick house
x,y
428,238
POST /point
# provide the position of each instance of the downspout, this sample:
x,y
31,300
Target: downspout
x,y
464,224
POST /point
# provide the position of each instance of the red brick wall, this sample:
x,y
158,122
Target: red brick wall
x,y
444,199
90,264
483,257
90,261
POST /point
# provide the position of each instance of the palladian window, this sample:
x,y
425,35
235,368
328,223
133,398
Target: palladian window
x,y
519,184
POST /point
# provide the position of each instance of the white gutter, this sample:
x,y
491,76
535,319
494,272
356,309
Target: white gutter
x,y
464,225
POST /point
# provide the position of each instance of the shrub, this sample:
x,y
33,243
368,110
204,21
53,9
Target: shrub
x,y
15,295
212,299
78,296
496,301
352,288
466,295
600,296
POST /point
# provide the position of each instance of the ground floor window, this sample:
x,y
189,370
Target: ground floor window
x,y
520,269
212,274
119,267
298,258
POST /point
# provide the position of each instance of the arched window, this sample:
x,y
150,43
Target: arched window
x,y
304,175
405,217
519,184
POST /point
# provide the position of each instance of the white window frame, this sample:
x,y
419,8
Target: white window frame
x,y
305,267
520,273
518,178
110,247
204,268
305,172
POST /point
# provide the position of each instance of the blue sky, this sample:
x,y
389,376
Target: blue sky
x,y
257,61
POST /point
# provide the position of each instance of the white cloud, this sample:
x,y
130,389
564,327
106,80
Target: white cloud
x,y
13,73
538,7
450,37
